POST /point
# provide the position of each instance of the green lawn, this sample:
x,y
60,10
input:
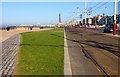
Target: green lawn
x,y
41,53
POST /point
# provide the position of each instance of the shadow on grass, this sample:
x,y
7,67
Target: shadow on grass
x,y
45,45
42,45
65,38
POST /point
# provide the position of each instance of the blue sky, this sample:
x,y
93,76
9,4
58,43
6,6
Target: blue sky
x,y
15,13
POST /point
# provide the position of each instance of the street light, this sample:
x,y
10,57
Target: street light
x,y
85,13
114,28
95,19
106,15
78,15
73,18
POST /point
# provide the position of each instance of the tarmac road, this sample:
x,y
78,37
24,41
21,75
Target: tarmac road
x,y
103,48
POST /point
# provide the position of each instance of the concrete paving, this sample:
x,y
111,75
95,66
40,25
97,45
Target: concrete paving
x,y
9,51
67,64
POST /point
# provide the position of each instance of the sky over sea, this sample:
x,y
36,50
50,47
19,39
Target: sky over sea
x,y
39,12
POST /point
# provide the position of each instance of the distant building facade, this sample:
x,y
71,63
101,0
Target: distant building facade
x,y
119,7
59,23
59,17
119,10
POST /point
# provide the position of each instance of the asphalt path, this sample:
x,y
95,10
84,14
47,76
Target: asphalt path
x,y
103,48
102,30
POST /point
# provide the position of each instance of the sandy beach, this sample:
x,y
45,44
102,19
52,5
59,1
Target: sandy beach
x,y
7,34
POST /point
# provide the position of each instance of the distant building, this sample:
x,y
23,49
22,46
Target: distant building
x,y
59,17
89,21
102,21
60,23
119,10
110,19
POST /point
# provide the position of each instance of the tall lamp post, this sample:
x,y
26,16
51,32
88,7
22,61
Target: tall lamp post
x,y
106,16
73,19
95,19
85,13
78,15
114,28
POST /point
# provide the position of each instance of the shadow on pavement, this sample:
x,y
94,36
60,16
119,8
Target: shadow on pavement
x,y
104,46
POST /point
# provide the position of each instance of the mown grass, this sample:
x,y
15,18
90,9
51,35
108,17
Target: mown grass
x,y
41,53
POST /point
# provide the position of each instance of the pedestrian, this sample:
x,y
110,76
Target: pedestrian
x,y
8,28
31,28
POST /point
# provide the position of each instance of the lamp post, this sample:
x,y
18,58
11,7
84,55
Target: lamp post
x,y
73,19
106,15
95,19
78,15
85,13
114,28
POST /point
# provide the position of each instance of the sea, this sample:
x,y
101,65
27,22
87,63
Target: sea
x,y
3,27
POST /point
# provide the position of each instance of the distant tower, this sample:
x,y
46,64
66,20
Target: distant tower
x,y
59,17
59,23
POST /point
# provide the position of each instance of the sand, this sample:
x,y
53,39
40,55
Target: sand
x,y
4,35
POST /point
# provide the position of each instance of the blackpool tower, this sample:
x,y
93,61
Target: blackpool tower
x,y
59,17
59,23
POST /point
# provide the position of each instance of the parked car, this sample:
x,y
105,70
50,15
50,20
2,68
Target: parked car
x,y
108,28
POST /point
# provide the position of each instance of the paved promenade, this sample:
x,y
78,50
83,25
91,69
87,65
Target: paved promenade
x,y
8,55
7,34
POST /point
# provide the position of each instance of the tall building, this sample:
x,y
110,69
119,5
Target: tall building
x,y
59,17
59,23
119,11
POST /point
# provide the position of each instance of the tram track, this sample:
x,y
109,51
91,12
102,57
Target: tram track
x,y
87,54
100,44
86,51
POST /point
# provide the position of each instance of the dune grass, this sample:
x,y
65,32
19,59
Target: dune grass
x,y
41,53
